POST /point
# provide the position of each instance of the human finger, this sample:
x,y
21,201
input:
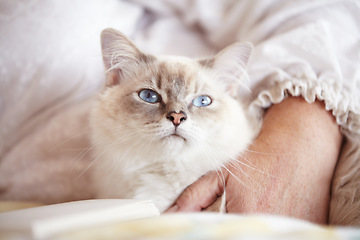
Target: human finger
x,y
200,195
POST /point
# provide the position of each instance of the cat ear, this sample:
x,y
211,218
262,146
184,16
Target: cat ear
x,y
230,66
120,55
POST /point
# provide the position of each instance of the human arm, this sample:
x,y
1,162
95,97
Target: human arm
x,y
289,167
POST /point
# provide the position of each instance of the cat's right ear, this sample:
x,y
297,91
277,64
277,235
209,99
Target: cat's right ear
x,y
229,66
120,56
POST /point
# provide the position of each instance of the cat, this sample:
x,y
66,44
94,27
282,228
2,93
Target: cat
x,y
164,121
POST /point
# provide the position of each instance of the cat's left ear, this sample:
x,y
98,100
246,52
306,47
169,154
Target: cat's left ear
x,y
229,66
120,56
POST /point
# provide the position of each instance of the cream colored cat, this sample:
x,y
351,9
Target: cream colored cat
x,y
164,121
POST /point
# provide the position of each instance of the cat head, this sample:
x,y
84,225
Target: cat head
x,y
170,106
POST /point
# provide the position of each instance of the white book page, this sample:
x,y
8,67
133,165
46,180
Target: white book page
x,y
45,221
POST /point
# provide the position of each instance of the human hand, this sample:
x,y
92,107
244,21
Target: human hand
x,y
286,171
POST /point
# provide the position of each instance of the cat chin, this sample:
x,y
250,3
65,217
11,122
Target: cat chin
x,y
174,142
175,138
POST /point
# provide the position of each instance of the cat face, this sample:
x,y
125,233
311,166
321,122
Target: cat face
x,y
170,107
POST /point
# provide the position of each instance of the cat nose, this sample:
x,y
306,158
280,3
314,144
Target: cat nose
x,y
176,118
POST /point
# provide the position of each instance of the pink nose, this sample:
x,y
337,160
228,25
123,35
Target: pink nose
x,y
176,118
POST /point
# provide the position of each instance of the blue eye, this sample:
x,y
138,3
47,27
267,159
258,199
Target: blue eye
x,y
149,96
202,101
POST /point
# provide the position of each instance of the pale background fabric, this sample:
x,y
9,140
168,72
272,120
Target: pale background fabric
x,y
50,60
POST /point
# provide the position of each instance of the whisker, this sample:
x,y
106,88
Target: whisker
x,y
65,141
78,158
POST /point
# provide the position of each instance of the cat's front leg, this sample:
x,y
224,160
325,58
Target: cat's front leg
x,y
162,190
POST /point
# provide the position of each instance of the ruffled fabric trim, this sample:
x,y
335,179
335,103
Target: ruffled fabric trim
x,y
338,102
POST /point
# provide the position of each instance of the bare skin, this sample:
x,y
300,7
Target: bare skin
x,y
288,170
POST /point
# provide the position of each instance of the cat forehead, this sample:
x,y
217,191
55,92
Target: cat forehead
x,y
174,59
173,72
176,71
173,77
177,65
